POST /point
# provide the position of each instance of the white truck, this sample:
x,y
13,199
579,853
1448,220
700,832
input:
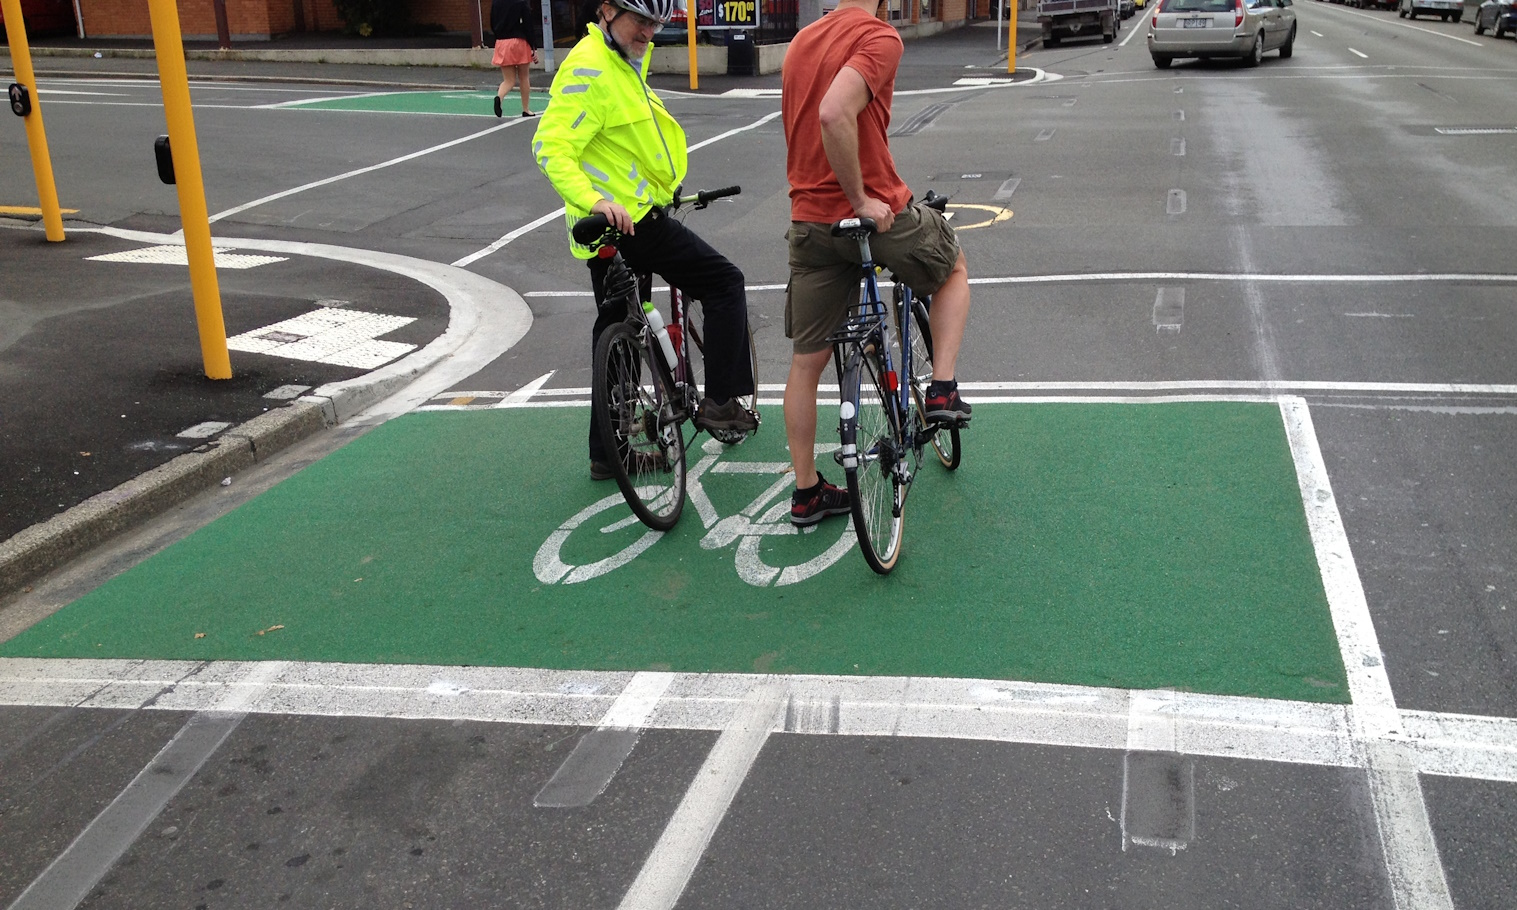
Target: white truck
x,y
1078,19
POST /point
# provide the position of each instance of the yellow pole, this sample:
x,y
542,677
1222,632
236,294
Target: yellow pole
x,y
36,136
175,80
1011,37
695,79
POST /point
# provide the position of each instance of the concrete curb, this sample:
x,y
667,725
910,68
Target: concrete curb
x,y
484,320
45,546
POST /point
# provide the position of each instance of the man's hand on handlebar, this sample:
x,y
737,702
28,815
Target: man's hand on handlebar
x,y
618,216
877,210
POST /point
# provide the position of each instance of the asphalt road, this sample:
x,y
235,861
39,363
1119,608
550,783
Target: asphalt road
x,y
1325,226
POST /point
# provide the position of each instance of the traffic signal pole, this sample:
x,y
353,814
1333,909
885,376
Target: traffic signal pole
x,y
24,101
174,78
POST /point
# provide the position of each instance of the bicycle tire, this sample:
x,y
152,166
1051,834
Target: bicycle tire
x,y
637,416
871,442
945,440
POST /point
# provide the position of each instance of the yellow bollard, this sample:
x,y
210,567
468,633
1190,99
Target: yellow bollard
x,y
175,81
36,136
695,79
1011,39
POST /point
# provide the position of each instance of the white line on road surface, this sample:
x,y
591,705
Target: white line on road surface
x,y
1416,874
1061,393
668,868
1084,277
599,754
1454,745
66,881
1415,28
364,170
534,225
1359,53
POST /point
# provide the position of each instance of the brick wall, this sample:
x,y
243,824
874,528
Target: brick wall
x,y
197,18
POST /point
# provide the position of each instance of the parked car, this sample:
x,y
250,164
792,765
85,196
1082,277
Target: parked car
x,y
1500,16
1443,9
1245,29
675,33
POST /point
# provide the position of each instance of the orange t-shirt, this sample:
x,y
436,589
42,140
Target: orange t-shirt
x,y
853,38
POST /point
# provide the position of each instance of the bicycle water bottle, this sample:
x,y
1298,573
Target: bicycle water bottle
x,y
656,321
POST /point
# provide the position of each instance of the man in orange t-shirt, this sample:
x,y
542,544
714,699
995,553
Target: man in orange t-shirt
x,y
838,79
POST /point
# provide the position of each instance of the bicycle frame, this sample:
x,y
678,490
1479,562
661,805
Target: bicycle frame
x,y
868,321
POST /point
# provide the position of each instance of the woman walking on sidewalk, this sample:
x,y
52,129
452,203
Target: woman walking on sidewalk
x,y
516,46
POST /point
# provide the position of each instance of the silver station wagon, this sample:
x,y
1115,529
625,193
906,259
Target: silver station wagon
x,y
1245,29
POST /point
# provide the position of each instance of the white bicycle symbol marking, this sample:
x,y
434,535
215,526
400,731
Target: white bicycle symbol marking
x,y
744,528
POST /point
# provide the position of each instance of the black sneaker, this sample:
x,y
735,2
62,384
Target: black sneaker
x,y
811,506
725,419
945,406
498,111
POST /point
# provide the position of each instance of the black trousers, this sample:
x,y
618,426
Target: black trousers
x,y
665,247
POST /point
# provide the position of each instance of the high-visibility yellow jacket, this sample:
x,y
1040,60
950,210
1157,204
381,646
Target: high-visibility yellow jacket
x,y
606,135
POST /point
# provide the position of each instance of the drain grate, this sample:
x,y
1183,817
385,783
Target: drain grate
x,y
1475,130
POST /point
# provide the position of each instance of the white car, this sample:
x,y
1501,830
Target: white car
x,y
1244,29
1443,9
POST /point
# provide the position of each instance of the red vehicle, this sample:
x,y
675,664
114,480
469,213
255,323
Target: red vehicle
x,y
47,17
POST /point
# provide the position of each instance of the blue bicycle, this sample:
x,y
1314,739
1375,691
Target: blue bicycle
x,y
883,357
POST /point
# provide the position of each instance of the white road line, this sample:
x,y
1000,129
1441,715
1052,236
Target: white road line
x,y
534,225
364,170
1409,278
1454,745
1411,853
525,393
599,754
74,872
668,868
1084,277
1204,389
1415,28
1359,53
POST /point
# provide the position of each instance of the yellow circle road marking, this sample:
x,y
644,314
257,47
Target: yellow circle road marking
x,y
998,214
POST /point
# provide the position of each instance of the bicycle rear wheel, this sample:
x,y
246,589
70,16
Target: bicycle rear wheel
x,y
872,445
636,415
945,440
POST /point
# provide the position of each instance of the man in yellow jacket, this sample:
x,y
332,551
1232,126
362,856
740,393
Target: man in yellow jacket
x,y
608,146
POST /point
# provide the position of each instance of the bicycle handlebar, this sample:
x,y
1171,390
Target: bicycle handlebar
x,y
587,230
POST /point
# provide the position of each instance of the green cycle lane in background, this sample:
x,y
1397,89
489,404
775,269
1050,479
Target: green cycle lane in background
x,y
1134,545
450,102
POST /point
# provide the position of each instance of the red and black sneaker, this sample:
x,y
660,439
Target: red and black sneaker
x,y
944,405
807,507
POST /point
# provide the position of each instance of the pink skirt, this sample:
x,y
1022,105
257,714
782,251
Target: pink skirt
x,y
512,52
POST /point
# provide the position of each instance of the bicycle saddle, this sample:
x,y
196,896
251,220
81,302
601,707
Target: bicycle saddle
x,y
854,227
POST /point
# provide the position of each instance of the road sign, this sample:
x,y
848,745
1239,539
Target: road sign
x,y
713,14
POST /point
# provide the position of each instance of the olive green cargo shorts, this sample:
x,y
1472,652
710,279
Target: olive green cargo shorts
x,y
920,249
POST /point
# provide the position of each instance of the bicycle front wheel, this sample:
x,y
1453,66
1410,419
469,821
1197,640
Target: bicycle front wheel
x,y
871,449
638,419
945,440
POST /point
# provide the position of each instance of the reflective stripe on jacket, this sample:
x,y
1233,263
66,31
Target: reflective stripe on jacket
x,y
606,135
